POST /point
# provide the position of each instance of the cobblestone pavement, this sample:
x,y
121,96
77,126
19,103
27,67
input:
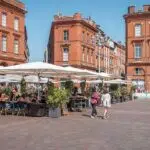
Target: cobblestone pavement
x,y
128,128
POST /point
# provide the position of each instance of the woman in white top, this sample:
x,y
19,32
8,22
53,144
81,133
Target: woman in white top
x,y
106,101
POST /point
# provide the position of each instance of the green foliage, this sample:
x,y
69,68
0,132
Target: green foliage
x,y
58,98
82,85
113,87
133,88
117,93
7,91
69,85
50,86
124,91
23,86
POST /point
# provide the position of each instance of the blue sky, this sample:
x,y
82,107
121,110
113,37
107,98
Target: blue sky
x,y
107,13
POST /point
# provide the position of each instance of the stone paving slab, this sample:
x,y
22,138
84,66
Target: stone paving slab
x,y
128,128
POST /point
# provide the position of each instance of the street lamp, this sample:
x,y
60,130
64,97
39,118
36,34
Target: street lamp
x,y
101,40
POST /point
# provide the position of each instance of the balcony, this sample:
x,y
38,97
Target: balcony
x,y
140,61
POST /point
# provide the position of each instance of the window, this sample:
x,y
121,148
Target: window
x,y
110,61
87,38
138,71
138,50
65,54
4,43
83,35
91,57
16,46
83,55
66,35
138,29
96,64
87,56
16,24
4,19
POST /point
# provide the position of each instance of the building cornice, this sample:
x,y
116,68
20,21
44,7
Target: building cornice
x,y
64,22
136,14
13,6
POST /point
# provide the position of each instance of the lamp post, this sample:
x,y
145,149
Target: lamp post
x,y
101,40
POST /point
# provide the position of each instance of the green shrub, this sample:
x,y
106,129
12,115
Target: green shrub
x,y
58,98
23,86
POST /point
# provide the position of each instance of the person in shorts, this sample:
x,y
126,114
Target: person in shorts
x,y
106,101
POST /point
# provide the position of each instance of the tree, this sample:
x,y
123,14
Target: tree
x,y
23,86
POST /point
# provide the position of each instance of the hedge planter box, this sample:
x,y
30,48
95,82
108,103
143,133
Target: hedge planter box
x,y
54,112
37,110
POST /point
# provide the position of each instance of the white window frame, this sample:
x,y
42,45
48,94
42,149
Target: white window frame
x,y
137,50
4,19
65,54
138,30
66,35
4,43
16,24
16,46
138,71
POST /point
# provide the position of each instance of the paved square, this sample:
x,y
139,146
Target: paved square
x,y
128,128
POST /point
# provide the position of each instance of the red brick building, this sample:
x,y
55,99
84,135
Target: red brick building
x,y
13,35
138,46
73,41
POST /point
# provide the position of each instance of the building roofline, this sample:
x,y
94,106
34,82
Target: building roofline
x,y
15,6
136,14
75,21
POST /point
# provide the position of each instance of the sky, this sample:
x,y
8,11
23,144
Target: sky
x,y
107,13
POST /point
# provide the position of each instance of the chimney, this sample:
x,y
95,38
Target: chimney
x,y
131,9
77,16
146,8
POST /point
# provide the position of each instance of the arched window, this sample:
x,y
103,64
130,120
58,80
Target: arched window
x,y
138,30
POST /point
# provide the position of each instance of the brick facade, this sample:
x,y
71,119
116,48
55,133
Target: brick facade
x,y
78,36
138,46
13,35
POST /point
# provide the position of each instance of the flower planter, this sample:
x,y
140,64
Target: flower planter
x,y
54,112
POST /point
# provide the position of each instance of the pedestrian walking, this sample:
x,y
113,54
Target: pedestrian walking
x,y
106,101
94,101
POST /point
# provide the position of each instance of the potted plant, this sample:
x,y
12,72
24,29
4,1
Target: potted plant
x,y
56,100
69,86
117,94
